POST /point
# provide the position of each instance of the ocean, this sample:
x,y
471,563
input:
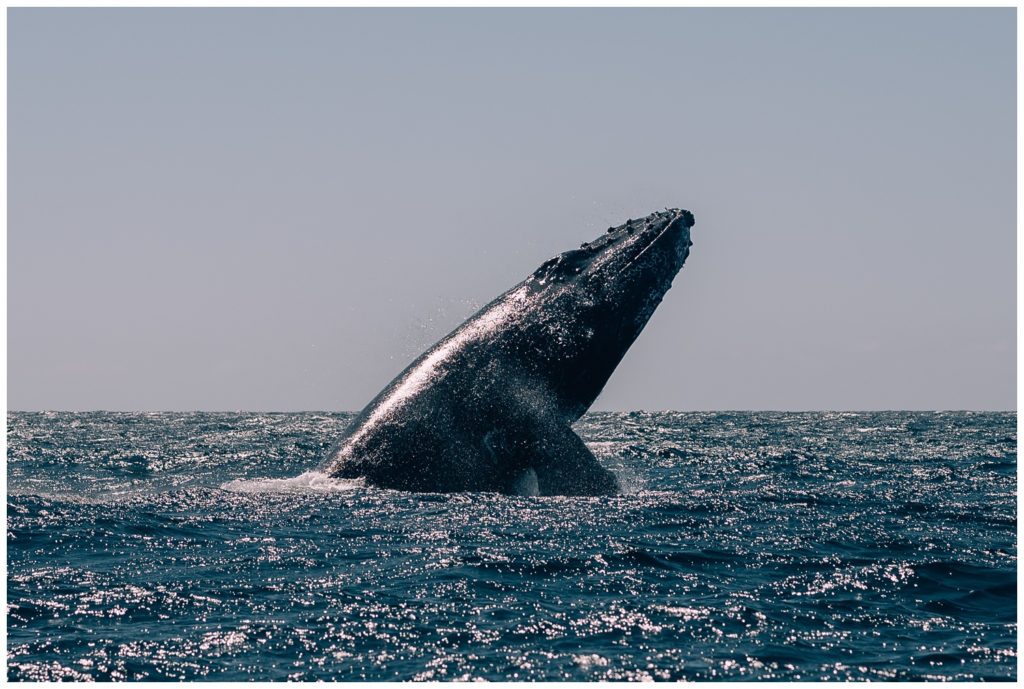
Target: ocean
x,y
802,546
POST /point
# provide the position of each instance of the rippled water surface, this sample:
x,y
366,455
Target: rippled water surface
x,y
763,545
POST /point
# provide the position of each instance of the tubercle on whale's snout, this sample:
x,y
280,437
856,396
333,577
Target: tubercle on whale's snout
x,y
656,222
635,235
687,218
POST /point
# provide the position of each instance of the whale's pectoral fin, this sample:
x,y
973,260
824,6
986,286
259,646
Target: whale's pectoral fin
x,y
540,455
566,466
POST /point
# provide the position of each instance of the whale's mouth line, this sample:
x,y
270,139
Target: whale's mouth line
x,y
651,243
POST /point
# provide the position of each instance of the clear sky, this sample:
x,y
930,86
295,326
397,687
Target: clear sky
x,y
279,209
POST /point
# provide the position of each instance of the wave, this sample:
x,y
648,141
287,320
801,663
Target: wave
x,y
309,482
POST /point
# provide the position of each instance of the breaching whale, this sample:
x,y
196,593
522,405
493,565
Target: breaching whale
x,y
494,400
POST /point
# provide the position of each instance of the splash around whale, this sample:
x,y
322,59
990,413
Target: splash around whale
x,y
490,407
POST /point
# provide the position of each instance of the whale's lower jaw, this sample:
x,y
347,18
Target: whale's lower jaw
x,y
492,402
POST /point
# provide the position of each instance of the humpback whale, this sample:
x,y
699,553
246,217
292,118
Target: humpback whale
x,y
494,401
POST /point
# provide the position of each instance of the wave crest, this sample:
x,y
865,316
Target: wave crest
x,y
309,482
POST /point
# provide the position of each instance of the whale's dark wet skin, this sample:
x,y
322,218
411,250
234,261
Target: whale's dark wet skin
x,y
490,407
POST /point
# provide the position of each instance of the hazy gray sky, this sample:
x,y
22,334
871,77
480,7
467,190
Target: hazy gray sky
x,y
279,209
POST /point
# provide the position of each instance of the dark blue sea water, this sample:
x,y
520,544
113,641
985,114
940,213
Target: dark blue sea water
x,y
748,545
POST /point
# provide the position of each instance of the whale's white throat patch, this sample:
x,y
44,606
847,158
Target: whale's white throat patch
x,y
527,484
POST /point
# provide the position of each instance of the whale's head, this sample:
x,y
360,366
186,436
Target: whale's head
x,y
594,301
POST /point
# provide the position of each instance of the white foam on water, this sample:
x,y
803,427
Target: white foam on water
x,y
309,482
629,483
